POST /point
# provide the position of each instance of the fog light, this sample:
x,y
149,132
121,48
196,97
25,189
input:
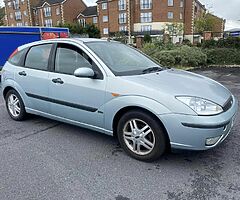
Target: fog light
x,y
212,141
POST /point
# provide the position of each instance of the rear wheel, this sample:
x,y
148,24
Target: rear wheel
x,y
15,105
141,136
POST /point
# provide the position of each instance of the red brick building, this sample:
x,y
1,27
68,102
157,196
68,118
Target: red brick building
x,y
88,16
54,12
19,12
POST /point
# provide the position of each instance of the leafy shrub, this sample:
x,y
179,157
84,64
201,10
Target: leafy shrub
x,y
223,56
230,42
164,58
147,38
150,49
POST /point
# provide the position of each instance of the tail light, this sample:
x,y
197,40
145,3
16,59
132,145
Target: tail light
x,y
14,53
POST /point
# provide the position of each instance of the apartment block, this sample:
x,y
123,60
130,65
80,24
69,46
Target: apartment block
x,y
55,12
19,12
137,17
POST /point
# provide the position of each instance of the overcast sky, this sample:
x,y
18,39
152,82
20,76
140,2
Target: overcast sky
x,y
228,9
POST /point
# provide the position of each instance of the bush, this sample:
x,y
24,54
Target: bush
x,y
223,56
147,38
150,49
230,42
184,55
164,58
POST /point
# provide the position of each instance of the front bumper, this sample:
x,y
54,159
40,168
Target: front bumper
x,y
193,132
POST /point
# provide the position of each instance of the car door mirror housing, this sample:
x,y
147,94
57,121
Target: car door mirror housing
x,y
84,72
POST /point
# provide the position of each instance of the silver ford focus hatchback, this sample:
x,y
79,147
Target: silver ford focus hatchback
x,y
110,87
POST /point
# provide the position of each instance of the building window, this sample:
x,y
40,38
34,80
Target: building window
x,y
11,16
35,12
19,24
170,3
25,13
122,4
26,24
57,11
104,6
170,15
181,3
16,4
22,1
58,22
105,18
146,17
122,28
122,18
105,31
47,12
9,4
95,20
82,22
48,22
18,15
181,15
146,28
145,4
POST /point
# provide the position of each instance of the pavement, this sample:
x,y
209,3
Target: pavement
x,y
44,159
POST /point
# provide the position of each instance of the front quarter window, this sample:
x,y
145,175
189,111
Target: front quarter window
x,y
121,59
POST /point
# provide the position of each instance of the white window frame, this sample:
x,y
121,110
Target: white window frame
x,y
170,15
146,28
146,17
57,11
82,22
19,24
145,4
123,28
18,15
170,2
11,15
122,18
47,11
48,23
181,15
105,31
105,18
122,5
95,20
104,6
181,3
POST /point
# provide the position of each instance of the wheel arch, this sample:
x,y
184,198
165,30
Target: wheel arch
x,y
124,110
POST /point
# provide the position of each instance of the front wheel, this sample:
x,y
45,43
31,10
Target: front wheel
x,y
141,136
15,105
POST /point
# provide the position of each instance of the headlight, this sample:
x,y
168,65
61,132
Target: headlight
x,y
201,106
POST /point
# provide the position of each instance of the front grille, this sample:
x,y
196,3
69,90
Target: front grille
x,y
228,104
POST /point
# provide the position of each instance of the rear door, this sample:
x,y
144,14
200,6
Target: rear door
x,y
33,77
75,98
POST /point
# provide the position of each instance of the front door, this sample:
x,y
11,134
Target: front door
x,y
73,98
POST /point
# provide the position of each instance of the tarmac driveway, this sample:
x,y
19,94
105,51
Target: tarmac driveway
x,y
45,159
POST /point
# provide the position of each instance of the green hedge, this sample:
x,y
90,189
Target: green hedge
x,y
192,56
223,56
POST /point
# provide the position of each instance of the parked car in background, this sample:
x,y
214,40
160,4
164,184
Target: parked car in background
x,y
112,88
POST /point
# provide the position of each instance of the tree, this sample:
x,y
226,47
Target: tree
x,y
204,23
147,38
76,28
2,14
174,29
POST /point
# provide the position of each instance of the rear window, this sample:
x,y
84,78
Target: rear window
x,y
38,56
15,60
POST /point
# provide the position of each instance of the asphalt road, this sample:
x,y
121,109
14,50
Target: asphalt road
x,y
45,159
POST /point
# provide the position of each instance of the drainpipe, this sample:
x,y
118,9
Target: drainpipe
x,y
129,21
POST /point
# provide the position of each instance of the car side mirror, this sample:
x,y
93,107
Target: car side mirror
x,y
84,72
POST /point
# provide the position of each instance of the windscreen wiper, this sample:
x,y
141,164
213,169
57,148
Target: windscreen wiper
x,y
152,69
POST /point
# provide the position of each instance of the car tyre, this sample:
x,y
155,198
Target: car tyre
x,y
15,106
141,136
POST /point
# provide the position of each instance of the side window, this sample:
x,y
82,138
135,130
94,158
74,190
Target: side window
x,y
38,56
15,60
69,58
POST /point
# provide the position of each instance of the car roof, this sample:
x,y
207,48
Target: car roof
x,y
77,40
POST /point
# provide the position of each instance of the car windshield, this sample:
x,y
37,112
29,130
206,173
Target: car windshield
x,y
123,60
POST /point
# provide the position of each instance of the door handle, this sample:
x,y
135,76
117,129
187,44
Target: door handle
x,y
23,73
57,80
